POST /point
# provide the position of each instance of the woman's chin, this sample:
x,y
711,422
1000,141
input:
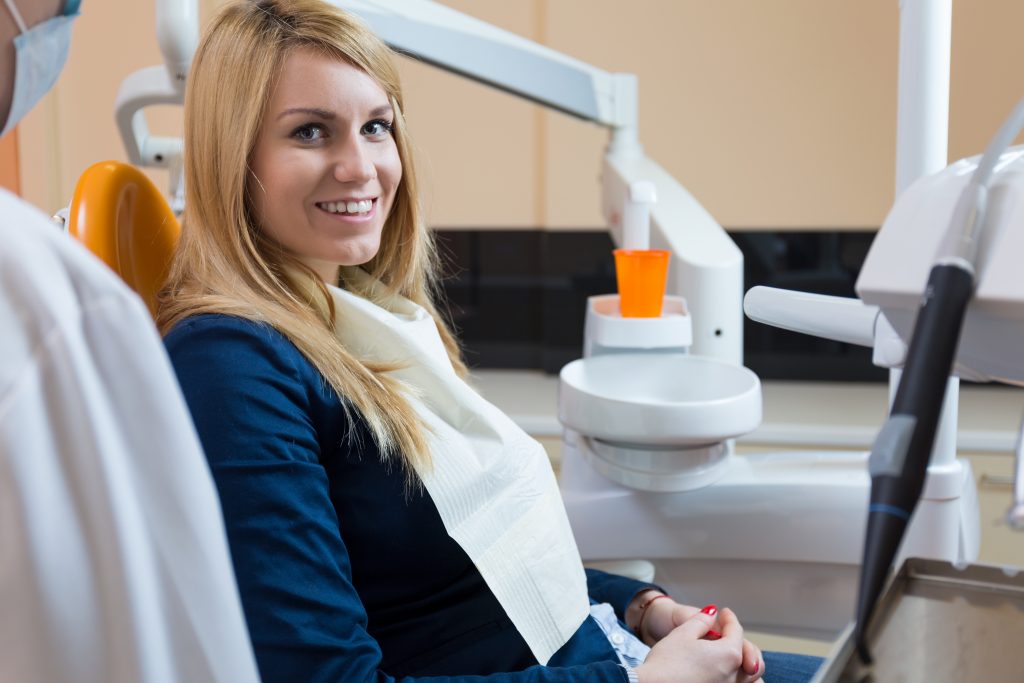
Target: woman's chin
x,y
358,256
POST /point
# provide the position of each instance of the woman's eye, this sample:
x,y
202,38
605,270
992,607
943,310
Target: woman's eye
x,y
378,128
309,132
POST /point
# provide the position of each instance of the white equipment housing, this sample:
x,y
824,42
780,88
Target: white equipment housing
x,y
915,232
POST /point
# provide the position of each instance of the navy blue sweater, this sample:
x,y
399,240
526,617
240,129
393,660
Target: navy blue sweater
x,y
343,575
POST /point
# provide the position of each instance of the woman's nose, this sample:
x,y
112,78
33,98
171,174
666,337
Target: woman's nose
x,y
354,164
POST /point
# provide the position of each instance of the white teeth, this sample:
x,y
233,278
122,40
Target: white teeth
x,y
362,206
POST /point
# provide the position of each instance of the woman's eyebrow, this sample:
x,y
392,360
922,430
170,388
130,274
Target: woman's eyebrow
x,y
384,109
319,113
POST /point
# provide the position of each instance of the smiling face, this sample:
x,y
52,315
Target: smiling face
x,y
325,166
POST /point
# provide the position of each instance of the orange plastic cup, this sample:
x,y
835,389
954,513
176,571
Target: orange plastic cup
x,y
641,275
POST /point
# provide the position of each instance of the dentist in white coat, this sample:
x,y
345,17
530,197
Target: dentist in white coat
x,y
114,566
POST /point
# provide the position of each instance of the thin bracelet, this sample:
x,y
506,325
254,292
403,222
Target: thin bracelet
x,y
643,613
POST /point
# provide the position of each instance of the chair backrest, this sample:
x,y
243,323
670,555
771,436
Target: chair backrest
x,y
120,216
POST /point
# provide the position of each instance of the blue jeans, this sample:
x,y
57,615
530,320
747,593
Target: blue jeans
x,y
784,667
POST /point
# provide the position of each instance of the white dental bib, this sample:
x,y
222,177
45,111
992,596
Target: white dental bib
x,y
492,484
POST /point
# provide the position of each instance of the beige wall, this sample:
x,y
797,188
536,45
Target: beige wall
x,y
9,171
773,114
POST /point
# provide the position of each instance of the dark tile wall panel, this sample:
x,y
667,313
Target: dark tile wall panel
x,y
517,297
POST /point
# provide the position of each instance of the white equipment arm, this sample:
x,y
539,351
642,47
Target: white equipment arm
x,y
144,88
472,48
177,31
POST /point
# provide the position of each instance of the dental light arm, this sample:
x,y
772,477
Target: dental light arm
x,y
472,48
899,457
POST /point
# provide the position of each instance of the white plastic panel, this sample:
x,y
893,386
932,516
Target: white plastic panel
x,y
917,230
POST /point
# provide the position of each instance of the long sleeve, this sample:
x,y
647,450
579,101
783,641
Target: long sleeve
x,y
254,404
617,591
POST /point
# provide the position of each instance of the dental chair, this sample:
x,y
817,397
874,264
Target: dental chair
x,y
122,218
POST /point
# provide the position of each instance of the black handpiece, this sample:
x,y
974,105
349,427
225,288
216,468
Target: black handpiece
x,y
899,457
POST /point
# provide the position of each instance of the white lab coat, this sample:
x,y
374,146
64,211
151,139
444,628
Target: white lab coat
x,y
114,565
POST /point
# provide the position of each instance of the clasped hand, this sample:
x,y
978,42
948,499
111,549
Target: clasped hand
x,y
690,645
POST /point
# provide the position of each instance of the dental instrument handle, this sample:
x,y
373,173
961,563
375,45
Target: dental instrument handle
x,y
899,456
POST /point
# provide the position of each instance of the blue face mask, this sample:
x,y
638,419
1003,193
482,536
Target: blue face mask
x,y
40,53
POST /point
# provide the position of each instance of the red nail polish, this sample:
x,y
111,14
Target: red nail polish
x,y
714,635
757,667
710,610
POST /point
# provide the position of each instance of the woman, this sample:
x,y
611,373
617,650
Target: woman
x,y
383,519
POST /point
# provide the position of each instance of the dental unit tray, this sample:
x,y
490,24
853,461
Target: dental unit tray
x,y
936,622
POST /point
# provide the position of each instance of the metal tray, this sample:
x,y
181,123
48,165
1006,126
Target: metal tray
x,y
936,622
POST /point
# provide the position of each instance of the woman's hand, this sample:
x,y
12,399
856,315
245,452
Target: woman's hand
x,y
663,615
685,655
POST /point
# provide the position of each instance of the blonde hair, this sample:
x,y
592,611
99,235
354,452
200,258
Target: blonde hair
x,y
225,264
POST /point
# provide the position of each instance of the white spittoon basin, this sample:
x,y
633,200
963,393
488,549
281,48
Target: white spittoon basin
x,y
658,399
